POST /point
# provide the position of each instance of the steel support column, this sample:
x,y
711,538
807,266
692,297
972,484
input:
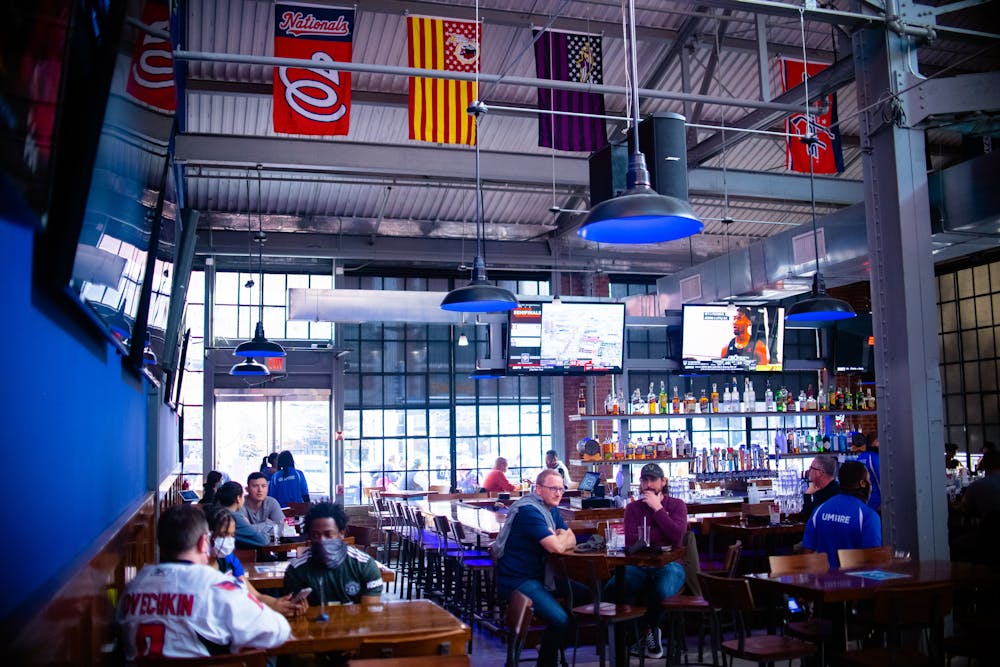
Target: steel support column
x,y
914,510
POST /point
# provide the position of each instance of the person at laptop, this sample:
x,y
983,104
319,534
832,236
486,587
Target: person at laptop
x,y
260,510
659,521
230,496
845,521
496,479
183,608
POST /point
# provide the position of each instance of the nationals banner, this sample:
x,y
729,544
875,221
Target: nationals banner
x,y
826,155
312,101
437,106
151,76
567,56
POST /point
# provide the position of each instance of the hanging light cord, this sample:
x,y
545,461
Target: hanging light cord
x,y
634,73
480,223
260,245
810,137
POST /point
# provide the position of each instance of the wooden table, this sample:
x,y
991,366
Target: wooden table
x,y
349,625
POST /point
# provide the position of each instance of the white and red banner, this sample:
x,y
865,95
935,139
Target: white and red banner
x,y
151,76
825,153
312,101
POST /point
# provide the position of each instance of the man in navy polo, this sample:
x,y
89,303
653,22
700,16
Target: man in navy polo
x,y
845,521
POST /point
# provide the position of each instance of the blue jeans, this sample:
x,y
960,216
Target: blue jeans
x,y
557,621
648,586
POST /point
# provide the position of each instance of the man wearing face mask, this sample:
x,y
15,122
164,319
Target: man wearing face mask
x,y
182,608
334,571
845,521
659,520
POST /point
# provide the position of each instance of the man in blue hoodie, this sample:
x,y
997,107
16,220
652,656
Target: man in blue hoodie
x,y
845,521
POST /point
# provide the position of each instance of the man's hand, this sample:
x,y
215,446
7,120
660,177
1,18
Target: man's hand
x,y
653,499
286,607
566,538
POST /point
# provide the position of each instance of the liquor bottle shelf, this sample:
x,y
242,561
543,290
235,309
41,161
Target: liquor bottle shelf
x,y
723,415
582,462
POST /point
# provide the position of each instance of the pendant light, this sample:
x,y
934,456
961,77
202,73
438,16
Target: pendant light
x,y
259,345
249,367
640,214
818,306
479,296
148,356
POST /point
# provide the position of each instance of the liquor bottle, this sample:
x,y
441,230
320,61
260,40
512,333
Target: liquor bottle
x,y
749,396
768,398
581,403
832,402
622,407
734,396
715,397
662,448
664,401
779,400
811,405
840,398
638,407
690,405
669,451
869,399
703,403
848,398
821,400
859,400
727,399
803,402
609,404
651,400
616,405
675,403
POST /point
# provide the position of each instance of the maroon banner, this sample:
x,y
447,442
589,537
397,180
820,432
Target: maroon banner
x,y
312,101
151,77
821,121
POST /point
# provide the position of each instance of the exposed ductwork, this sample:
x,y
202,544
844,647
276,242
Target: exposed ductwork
x,y
965,218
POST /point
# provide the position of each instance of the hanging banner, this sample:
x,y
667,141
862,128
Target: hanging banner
x,y
826,154
151,76
567,56
438,106
312,101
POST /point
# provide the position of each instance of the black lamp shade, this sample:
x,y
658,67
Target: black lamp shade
x,y
479,296
249,367
819,306
259,346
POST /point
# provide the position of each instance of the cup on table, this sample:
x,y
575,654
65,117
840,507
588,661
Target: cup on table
x,y
901,555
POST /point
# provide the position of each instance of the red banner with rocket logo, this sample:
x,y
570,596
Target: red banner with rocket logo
x,y
822,121
151,77
312,101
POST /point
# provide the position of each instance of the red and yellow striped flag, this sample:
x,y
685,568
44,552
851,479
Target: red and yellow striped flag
x,y
437,106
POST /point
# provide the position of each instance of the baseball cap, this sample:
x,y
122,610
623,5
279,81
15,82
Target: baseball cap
x,y
652,471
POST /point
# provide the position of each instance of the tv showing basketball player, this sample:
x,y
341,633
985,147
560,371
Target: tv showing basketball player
x,y
729,337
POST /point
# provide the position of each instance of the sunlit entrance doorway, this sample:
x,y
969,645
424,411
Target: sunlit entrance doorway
x,y
252,423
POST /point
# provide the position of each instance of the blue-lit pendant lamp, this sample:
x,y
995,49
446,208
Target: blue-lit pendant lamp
x,y
148,356
640,214
479,296
259,345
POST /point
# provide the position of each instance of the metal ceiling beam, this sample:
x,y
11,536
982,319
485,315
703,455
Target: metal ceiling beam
x,y
458,164
834,77
524,255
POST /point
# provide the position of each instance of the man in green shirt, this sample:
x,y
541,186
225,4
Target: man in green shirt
x,y
334,571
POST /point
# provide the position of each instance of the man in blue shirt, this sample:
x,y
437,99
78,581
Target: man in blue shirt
x,y
845,521
230,496
534,529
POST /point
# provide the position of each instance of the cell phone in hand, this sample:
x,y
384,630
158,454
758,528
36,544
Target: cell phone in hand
x,y
301,595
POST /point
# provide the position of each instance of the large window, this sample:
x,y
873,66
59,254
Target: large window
x,y
237,303
968,308
193,386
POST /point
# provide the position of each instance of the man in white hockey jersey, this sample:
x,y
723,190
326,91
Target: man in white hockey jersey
x,y
182,608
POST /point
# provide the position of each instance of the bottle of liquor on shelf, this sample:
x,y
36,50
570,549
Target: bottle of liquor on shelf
x,y
662,448
616,403
734,396
664,401
581,403
609,403
749,396
803,402
715,397
703,403
821,398
622,406
675,403
727,399
832,402
779,400
651,400
690,404
638,405
869,399
841,401
859,399
848,398
650,448
768,398
811,405
789,401
668,447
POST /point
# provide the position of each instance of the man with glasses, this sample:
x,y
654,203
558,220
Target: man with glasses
x,y
533,529
823,485
183,608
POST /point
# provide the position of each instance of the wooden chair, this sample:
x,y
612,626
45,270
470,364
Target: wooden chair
x,y
436,644
901,607
246,659
517,625
863,557
593,571
427,661
734,596
798,564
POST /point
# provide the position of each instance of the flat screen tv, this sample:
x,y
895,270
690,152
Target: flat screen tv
x,y
731,338
854,345
566,338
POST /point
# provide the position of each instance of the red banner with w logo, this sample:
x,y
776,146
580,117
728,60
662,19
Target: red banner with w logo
x,y
822,121
151,77
312,101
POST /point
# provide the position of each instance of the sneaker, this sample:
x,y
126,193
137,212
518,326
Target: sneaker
x,y
652,644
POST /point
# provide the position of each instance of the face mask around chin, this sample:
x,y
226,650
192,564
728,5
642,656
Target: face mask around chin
x,y
331,552
223,546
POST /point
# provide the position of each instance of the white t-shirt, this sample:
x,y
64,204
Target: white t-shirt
x,y
178,610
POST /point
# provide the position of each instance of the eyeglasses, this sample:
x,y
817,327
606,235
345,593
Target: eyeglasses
x,y
554,489
815,468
